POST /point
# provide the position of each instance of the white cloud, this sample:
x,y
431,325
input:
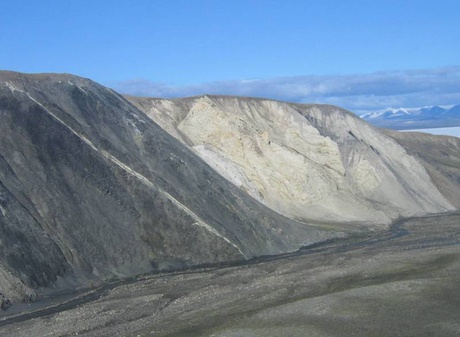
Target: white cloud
x,y
358,92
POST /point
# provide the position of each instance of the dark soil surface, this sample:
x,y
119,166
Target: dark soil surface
x,y
402,282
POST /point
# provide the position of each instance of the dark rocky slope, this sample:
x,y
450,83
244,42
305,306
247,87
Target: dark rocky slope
x,y
441,157
91,188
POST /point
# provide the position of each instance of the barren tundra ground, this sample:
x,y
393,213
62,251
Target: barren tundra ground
x,y
400,282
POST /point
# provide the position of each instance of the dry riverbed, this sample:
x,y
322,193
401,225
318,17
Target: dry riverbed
x,y
404,282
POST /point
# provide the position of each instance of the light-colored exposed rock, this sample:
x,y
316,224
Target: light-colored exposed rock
x,y
13,289
312,162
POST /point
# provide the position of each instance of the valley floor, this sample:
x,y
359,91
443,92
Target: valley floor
x,y
403,282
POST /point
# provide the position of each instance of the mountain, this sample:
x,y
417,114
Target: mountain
x,y
93,189
96,186
415,118
455,111
308,162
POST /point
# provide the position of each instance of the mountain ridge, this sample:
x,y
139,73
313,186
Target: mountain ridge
x,y
93,188
222,129
415,118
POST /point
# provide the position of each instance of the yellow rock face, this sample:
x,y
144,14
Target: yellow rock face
x,y
307,162
276,155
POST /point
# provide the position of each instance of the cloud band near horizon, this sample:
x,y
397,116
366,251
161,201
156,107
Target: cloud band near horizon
x,y
358,93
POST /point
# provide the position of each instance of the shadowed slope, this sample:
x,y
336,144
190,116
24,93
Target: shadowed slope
x,y
440,155
91,188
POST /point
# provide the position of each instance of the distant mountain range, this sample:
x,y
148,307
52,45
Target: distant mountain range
x,y
415,118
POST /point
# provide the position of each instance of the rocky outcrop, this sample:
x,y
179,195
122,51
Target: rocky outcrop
x,y
91,188
5,303
12,289
309,162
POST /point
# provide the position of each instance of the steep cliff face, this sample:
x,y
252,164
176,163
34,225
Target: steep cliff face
x,y
91,188
312,162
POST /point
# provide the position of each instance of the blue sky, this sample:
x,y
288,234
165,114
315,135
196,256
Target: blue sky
x,y
363,55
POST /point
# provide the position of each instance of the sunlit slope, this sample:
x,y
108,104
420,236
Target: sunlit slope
x,y
314,162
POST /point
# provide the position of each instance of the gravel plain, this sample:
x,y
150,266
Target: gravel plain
x,y
400,282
